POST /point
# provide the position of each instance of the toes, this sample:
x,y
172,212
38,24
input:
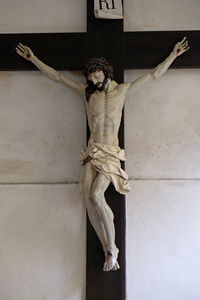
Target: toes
x,y
111,263
105,268
116,267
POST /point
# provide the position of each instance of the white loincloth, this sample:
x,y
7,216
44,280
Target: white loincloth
x,y
106,160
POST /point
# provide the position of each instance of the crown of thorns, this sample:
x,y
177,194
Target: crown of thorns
x,y
98,64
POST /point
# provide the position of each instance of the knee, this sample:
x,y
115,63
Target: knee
x,y
87,199
85,189
97,198
88,203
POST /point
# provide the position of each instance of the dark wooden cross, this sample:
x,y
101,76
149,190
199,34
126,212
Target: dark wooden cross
x,y
124,50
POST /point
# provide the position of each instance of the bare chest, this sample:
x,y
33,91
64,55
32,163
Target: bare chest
x,y
105,105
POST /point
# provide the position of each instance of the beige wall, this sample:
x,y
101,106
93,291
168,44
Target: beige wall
x,y
163,242
42,249
42,218
42,16
150,15
163,146
42,252
165,117
41,138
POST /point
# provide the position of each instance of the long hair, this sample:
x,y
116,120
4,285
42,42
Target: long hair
x,y
96,64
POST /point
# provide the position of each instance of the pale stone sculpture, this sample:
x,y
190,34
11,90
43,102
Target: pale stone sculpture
x,y
104,100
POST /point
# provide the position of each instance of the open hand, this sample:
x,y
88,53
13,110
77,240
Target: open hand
x,y
24,51
181,47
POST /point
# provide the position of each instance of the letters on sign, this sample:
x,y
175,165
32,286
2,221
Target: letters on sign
x,y
108,9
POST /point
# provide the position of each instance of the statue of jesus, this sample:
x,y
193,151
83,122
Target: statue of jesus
x,y
104,100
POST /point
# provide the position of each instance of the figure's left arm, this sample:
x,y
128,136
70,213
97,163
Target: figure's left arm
x,y
179,49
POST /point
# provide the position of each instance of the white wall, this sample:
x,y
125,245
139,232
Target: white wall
x,y
165,142
163,242
41,137
150,15
42,16
163,146
42,248
43,230
43,128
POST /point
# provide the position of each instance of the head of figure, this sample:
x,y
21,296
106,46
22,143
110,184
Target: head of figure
x,y
97,73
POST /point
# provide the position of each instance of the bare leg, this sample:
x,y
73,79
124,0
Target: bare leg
x,y
87,178
99,187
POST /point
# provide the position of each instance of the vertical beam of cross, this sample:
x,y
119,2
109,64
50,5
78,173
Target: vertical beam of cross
x,y
106,37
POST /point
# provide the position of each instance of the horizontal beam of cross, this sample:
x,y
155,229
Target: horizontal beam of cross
x,y
147,49
63,51
70,51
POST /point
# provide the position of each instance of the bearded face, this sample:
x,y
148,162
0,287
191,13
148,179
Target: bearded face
x,y
97,73
98,79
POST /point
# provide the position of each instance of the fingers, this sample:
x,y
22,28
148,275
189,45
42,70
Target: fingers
x,y
184,43
23,51
182,46
183,40
20,44
186,49
21,47
19,52
185,46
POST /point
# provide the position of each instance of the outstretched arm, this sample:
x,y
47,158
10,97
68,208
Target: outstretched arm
x,y
179,49
27,53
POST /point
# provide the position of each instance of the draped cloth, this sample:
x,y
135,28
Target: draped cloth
x,y
106,160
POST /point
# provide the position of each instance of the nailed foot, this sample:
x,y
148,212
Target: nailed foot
x,y
111,263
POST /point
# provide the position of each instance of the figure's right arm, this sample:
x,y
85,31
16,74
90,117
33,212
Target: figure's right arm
x,y
27,53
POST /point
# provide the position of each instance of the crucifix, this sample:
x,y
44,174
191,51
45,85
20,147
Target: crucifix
x,y
104,38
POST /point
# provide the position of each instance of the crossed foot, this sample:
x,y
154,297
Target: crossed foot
x,y
111,263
